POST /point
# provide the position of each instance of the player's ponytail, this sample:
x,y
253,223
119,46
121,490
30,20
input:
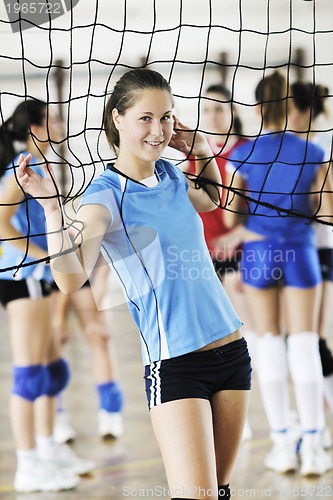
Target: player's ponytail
x,y
7,150
18,128
271,94
309,96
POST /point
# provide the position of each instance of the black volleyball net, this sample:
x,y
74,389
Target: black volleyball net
x,y
70,53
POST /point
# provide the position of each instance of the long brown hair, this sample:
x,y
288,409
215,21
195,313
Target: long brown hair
x,y
271,94
17,128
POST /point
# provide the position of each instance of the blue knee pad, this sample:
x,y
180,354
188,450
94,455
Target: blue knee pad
x,y
110,396
30,382
58,375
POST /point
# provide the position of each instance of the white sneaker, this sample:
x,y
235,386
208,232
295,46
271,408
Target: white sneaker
x,y
315,461
63,430
326,438
282,458
63,456
110,424
44,476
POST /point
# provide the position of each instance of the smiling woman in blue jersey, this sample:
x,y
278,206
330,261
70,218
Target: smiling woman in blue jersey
x,y
143,212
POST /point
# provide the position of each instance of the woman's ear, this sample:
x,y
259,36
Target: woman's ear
x,y
116,118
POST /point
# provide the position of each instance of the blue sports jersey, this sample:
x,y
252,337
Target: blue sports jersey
x,y
279,169
29,219
156,246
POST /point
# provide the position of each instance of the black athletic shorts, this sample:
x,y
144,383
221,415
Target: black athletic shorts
x,y
55,287
23,289
199,374
222,267
326,263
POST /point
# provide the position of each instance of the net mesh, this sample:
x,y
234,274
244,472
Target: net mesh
x,y
70,54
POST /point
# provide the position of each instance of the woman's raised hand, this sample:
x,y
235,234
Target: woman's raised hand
x,y
189,141
44,190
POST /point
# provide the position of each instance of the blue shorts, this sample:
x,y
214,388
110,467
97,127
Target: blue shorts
x,y
269,263
199,374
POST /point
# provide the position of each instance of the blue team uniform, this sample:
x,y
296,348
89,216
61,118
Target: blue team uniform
x,y
156,246
279,169
29,220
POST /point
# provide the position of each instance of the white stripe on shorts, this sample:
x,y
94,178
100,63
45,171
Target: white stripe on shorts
x,y
34,288
155,388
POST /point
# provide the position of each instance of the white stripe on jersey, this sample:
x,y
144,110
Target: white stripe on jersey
x,y
145,352
165,354
122,181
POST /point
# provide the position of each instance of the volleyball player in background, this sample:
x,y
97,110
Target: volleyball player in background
x,y
142,212
98,335
223,129
39,373
306,105
281,170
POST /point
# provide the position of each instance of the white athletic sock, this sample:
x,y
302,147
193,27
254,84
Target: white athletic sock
x,y
306,373
311,440
328,391
272,374
60,406
26,459
45,444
